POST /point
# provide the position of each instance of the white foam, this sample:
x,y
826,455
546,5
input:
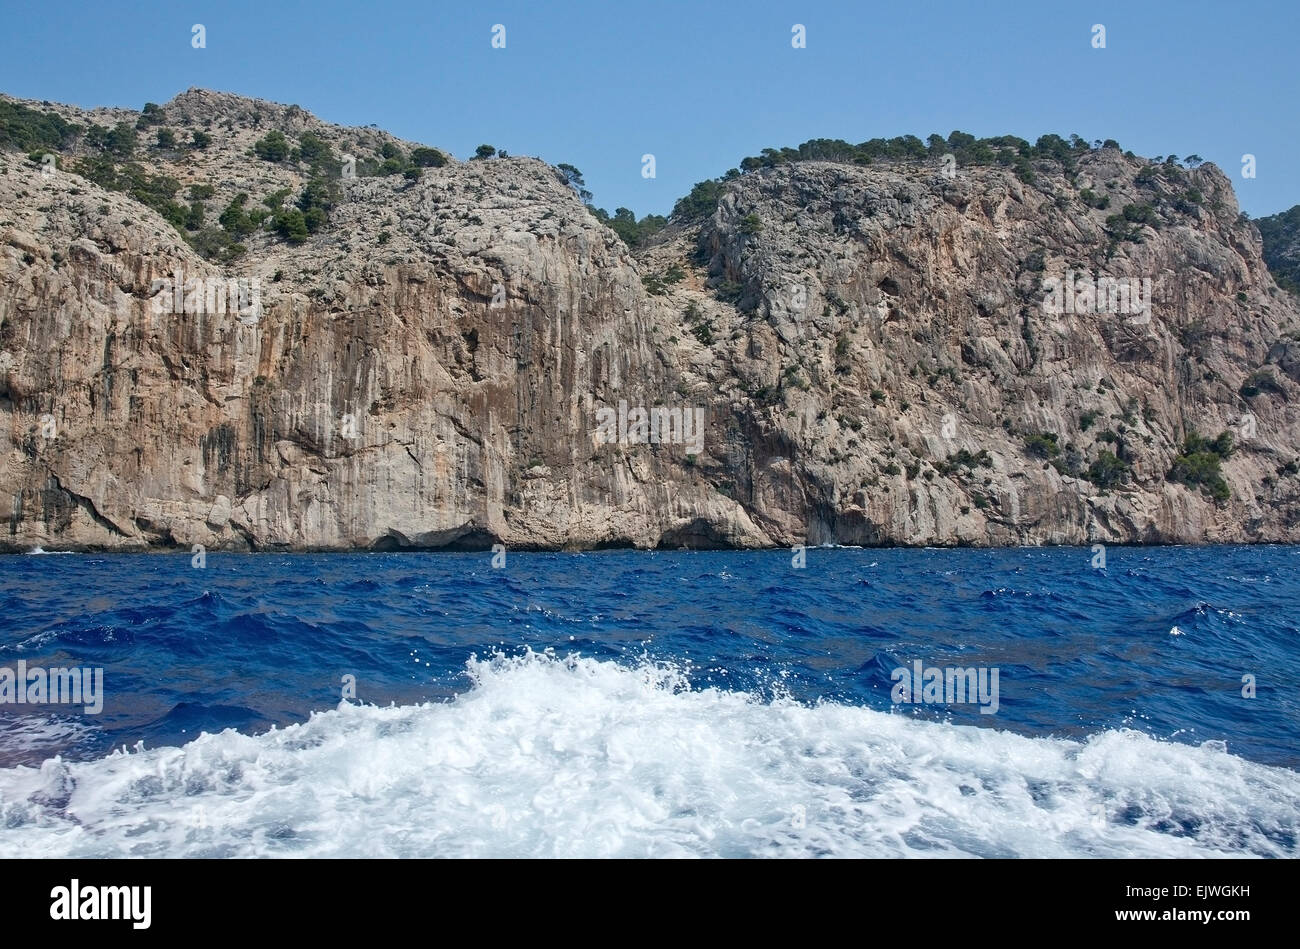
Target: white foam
x,y
547,756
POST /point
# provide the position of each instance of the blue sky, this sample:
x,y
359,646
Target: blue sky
x,y
701,85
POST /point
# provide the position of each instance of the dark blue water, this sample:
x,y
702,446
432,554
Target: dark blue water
x,y
1157,642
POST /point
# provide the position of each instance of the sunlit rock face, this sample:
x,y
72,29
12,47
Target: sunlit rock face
x,y
880,354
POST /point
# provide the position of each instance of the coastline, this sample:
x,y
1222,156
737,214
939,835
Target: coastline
x,y
596,549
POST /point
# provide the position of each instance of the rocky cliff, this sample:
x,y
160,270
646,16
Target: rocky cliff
x,y
463,354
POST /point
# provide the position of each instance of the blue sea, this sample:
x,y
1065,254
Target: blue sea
x,y
627,703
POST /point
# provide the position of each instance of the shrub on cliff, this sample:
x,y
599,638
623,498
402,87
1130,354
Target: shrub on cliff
x,y
1199,464
315,202
151,114
701,201
1108,470
24,128
119,141
214,243
572,177
427,158
317,153
624,223
154,191
236,220
272,146
1042,445
291,224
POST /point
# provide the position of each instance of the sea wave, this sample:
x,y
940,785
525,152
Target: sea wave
x,y
571,756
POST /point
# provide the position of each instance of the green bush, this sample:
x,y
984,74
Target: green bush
x,y
1108,470
1042,445
1005,150
1094,200
1121,231
275,199
272,146
24,129
700,203
154,191
151,114
1221,446
236,220
572,176
964,460
214,243
1199,464
633,232
427,157
315,151
1140,214
317,199
119,141
291,224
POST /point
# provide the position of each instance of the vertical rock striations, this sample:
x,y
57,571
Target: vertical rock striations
x,y
869,345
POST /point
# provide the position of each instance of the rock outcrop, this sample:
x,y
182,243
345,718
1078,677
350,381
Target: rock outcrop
x,y
444,363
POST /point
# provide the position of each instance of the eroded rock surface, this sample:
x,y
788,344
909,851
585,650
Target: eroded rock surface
x,y
869,345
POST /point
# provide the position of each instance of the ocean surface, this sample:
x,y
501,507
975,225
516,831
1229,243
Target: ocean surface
x,y
656,704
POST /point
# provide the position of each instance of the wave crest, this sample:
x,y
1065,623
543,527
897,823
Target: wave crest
x,y
572,756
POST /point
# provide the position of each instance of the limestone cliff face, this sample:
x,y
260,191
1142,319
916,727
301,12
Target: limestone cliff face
x,y
869,347
894,300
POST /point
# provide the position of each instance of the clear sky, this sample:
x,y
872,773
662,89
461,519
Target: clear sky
x,y
701,85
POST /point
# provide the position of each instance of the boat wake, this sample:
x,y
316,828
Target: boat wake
x,y
570,756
